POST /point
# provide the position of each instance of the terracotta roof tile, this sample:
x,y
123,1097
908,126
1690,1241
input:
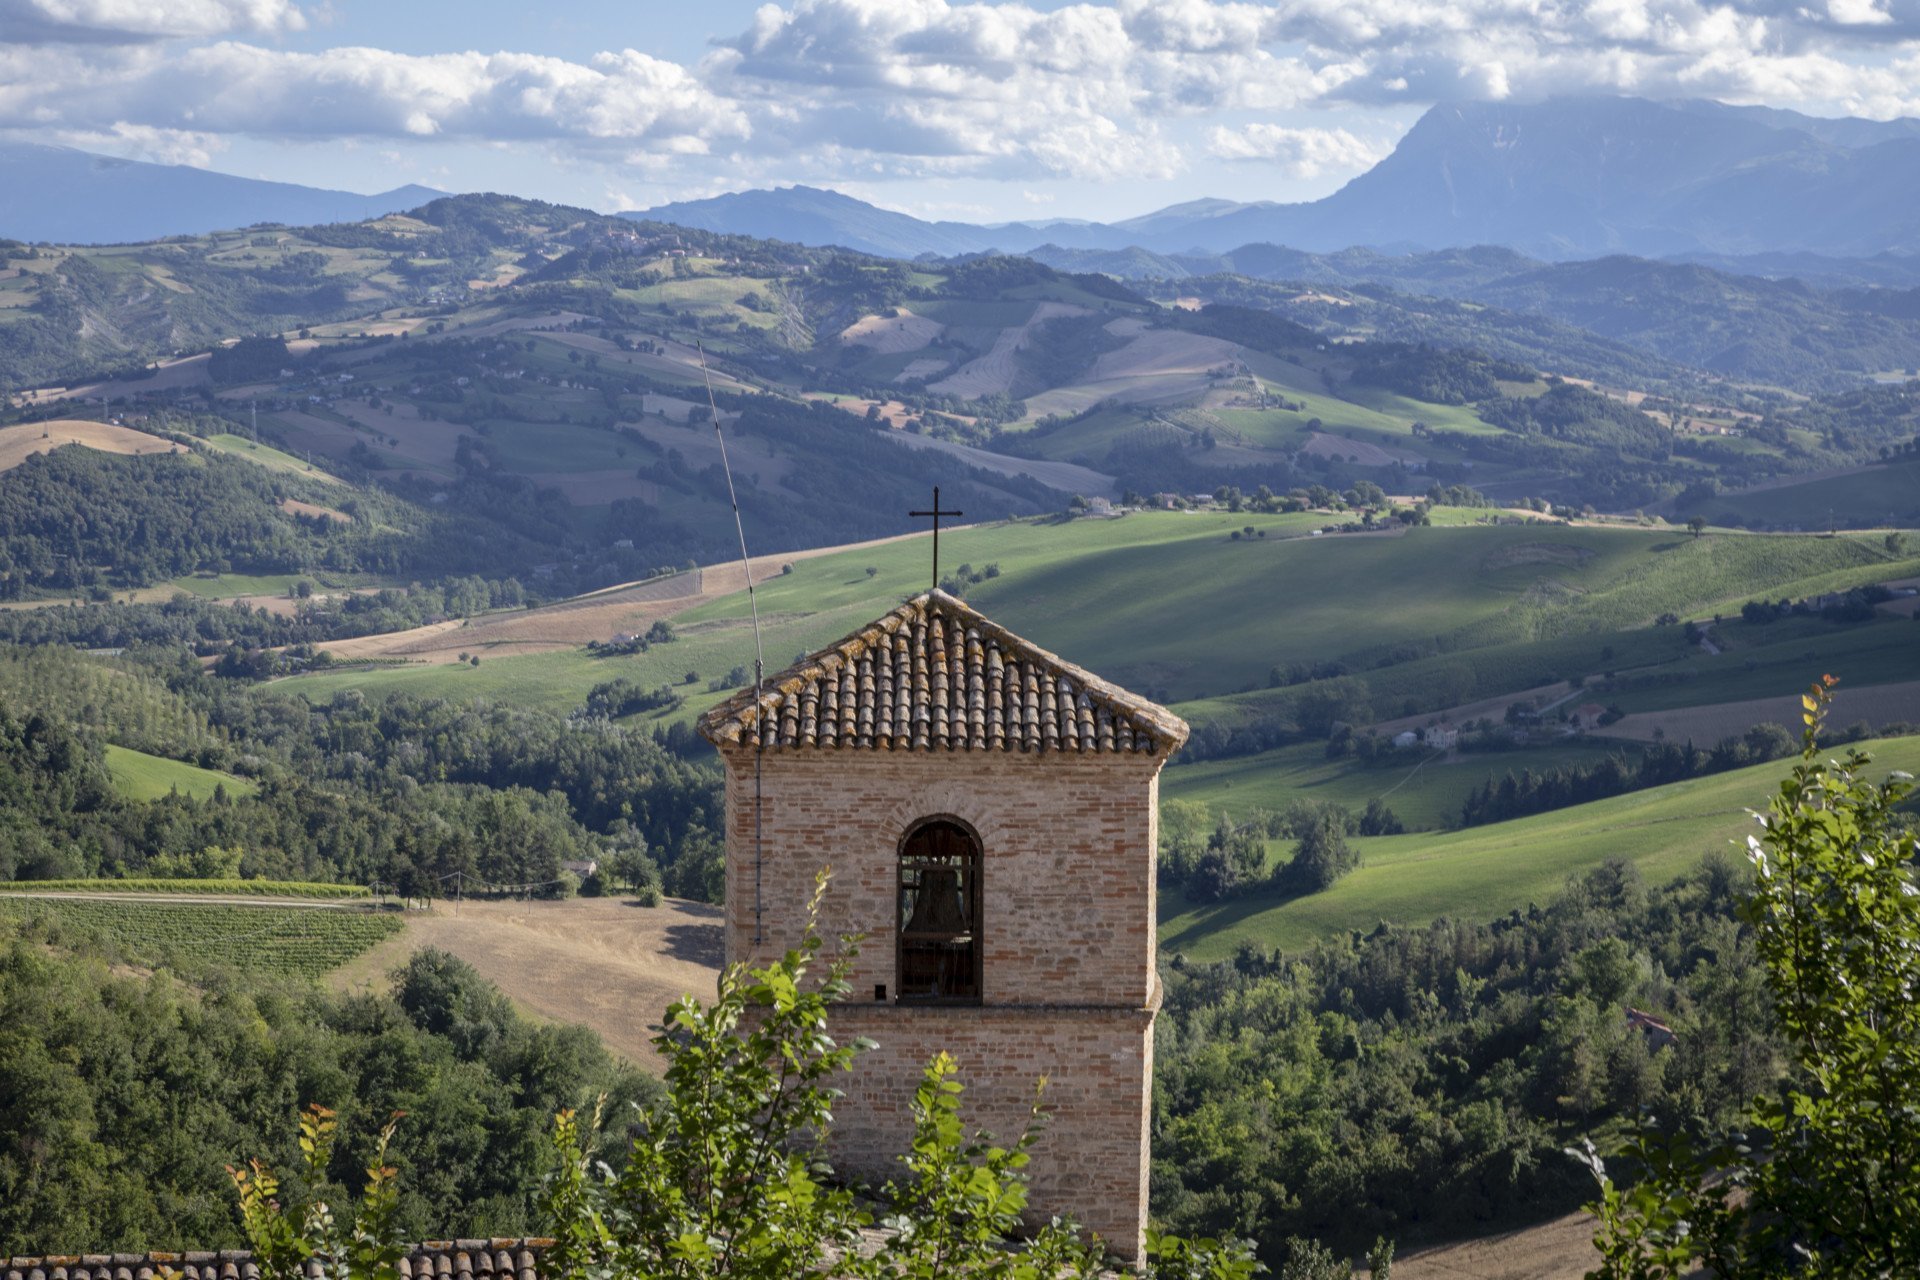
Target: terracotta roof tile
x,y
937,675
502,1259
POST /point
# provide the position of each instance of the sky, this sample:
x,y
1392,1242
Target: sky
x,y
988,111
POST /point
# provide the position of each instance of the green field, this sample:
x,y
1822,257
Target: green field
x,y
269,457
224,888
225,586
1169,604
139,776
291,941
538,447
552,681
1768,661
1423,793
1888,494
716,295
1483,872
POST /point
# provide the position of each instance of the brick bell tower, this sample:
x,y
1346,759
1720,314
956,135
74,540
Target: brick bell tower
x,y
990,814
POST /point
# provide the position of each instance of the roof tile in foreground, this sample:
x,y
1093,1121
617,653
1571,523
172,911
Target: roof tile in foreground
x,y
498,1259
937,675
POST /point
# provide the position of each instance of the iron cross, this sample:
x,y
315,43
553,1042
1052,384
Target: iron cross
x,y
936,513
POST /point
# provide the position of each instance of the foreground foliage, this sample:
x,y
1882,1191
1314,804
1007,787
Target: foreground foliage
x,y
1825,1178
728,1174
122,1095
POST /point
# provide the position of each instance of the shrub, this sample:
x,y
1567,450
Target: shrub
x,y
727,1175
1826,1166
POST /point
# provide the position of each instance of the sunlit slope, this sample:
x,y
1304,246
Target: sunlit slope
x,y
1173,604
139,776
1484,872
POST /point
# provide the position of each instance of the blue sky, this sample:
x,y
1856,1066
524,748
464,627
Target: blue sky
x,y
983,110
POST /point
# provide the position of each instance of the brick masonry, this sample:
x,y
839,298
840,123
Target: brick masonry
x,y
1067,930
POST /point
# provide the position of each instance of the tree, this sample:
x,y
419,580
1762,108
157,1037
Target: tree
x,y
1321,856
631,866
1830,1164
1379,820
1697,525
728,1176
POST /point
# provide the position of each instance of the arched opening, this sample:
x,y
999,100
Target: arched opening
x,y
938,943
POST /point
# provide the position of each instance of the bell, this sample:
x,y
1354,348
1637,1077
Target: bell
x,y
939,906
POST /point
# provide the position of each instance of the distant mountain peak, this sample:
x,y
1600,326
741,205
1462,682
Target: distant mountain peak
x,y
1571,177
68,196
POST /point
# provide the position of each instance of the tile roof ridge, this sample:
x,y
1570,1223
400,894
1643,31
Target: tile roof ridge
x,y
824,699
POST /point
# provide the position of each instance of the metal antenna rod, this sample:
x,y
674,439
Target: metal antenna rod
x,y
759,656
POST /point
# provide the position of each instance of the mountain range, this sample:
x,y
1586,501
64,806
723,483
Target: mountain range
x,y
66,196
1745,188
1566,178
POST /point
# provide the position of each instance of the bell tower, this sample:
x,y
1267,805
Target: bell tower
x,y
989,813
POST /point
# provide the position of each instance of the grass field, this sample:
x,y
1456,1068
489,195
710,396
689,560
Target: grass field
x,y
1768,661
226,586
139,776
269,457
1168,603
641,958
1888,495
290,941
1424,793
219,888
1483,872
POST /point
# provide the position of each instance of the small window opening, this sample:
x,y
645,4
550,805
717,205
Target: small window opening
x,y
939,939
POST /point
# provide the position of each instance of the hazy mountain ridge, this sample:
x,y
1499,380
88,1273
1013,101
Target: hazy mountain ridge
x,y
1569,178
60,195
1750,327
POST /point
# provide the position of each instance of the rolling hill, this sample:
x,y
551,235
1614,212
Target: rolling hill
x,y
1746,326
1458,616
1482,872
542,370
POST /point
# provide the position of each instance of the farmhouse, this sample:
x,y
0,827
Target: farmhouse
x,y
988,814
1587,715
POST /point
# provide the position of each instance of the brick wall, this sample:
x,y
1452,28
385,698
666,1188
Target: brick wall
x,y
1091,1160
1067,914
1067,929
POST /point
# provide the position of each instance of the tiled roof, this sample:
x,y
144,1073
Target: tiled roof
x,y
937,675
514,1259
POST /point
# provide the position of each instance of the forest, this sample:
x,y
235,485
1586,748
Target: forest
x,y
419,794
1420,1083
127,1096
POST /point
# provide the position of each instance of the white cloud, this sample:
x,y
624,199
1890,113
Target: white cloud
x,y
233,88
144,142
1858,13
871,90
1301,153
1298,152
135,20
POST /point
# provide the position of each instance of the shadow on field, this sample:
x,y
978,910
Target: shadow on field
x,y
696,943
